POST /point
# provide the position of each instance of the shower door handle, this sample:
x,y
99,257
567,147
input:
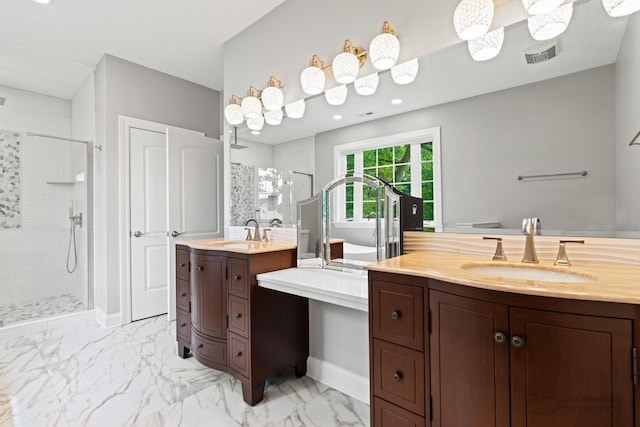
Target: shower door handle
x,y
174,233
137,234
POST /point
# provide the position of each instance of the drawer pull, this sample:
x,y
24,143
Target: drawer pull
x,y
500,337
395,315
397,376
200,345
182,264
517,342
184,294
237,277
199,268
182,325
238,354
237,315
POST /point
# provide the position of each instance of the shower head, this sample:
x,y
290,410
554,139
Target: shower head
x,y
235,145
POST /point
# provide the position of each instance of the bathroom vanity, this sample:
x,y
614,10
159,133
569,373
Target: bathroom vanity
x,y
452,347
230,324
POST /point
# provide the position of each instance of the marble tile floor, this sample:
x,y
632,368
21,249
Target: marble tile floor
x,y
40,308
83,375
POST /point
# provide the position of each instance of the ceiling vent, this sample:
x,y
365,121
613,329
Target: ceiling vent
x,y
2,100
541,53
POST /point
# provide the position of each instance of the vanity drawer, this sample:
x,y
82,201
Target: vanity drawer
x,y
182,264
389,415
239,315
239,354
182,294
183,325
238,277
398,313
398,376
209,352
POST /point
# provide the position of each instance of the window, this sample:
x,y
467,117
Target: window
x,y
409,161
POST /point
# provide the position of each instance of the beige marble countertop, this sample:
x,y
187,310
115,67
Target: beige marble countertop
x,y
237,246
609,283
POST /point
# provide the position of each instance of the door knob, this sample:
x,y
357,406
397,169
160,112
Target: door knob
x,y
500,337
174,233
517,342
137,234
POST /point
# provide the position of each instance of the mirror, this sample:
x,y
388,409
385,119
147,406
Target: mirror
x,y
592,42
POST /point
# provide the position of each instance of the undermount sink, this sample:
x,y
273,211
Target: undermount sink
x,y
539,274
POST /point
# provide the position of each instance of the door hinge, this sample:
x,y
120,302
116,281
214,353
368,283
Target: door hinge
x,y
634,366
430,409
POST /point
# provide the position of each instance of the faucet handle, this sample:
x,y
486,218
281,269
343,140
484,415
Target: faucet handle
x,y
248,234
562,258
499,255
265,238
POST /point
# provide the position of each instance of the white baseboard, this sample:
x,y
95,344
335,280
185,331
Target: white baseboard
x,y
108,321
339,378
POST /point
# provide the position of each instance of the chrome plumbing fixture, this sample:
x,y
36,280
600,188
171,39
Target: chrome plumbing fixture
x,y
530,227
499,254
562,258
256,230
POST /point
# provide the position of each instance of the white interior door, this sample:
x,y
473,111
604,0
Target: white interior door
x,y
148,219
195,198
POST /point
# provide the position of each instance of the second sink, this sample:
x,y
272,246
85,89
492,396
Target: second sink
x,y
528,273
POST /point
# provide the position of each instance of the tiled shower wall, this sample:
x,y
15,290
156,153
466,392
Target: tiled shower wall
x,y
33,257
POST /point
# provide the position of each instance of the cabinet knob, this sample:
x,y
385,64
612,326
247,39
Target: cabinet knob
x,y
184,294
237,315
517,342
182,264
237,277
238,354
199,268
182,325
200,345
500,337
395,315
397,376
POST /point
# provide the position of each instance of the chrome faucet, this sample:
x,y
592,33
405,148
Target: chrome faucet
x,y
275,222
530,227
256,230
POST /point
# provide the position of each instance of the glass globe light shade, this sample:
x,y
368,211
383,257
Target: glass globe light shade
x,y
536,7
617,8
233,113
273,117
345,66
367,85
551,24
406,72
272,98
295,110
472,18
384,49
312,80
256,123
336,95
487,46
251,107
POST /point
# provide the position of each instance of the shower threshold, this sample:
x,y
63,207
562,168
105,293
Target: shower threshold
x,y
39,309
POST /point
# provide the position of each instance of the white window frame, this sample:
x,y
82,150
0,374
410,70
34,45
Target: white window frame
x,y
414,138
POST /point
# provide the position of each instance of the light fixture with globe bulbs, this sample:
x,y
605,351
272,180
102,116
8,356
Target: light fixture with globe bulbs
x,y
346,65
233,112
550,24
295,110
384,49
617,8
536,7
488,46
272,96
251,105
312,78
472,18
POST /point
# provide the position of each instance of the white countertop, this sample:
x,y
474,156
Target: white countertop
x,y
335,287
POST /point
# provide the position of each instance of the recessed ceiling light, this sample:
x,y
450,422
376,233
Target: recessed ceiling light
x,y
255,132
337,117
43,1
396,101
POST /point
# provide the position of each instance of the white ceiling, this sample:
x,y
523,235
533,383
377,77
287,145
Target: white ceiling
x,y
51,49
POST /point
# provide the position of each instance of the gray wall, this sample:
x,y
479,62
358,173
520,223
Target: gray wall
x,y
564,124
125,88
627,126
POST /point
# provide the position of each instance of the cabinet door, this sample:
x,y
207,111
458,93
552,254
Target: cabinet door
x,y
571,370
210,315
469,366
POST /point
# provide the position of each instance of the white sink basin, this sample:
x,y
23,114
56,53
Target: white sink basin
x,y
528,273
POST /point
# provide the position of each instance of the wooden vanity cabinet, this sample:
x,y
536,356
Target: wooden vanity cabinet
x,y
253,333
501,359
